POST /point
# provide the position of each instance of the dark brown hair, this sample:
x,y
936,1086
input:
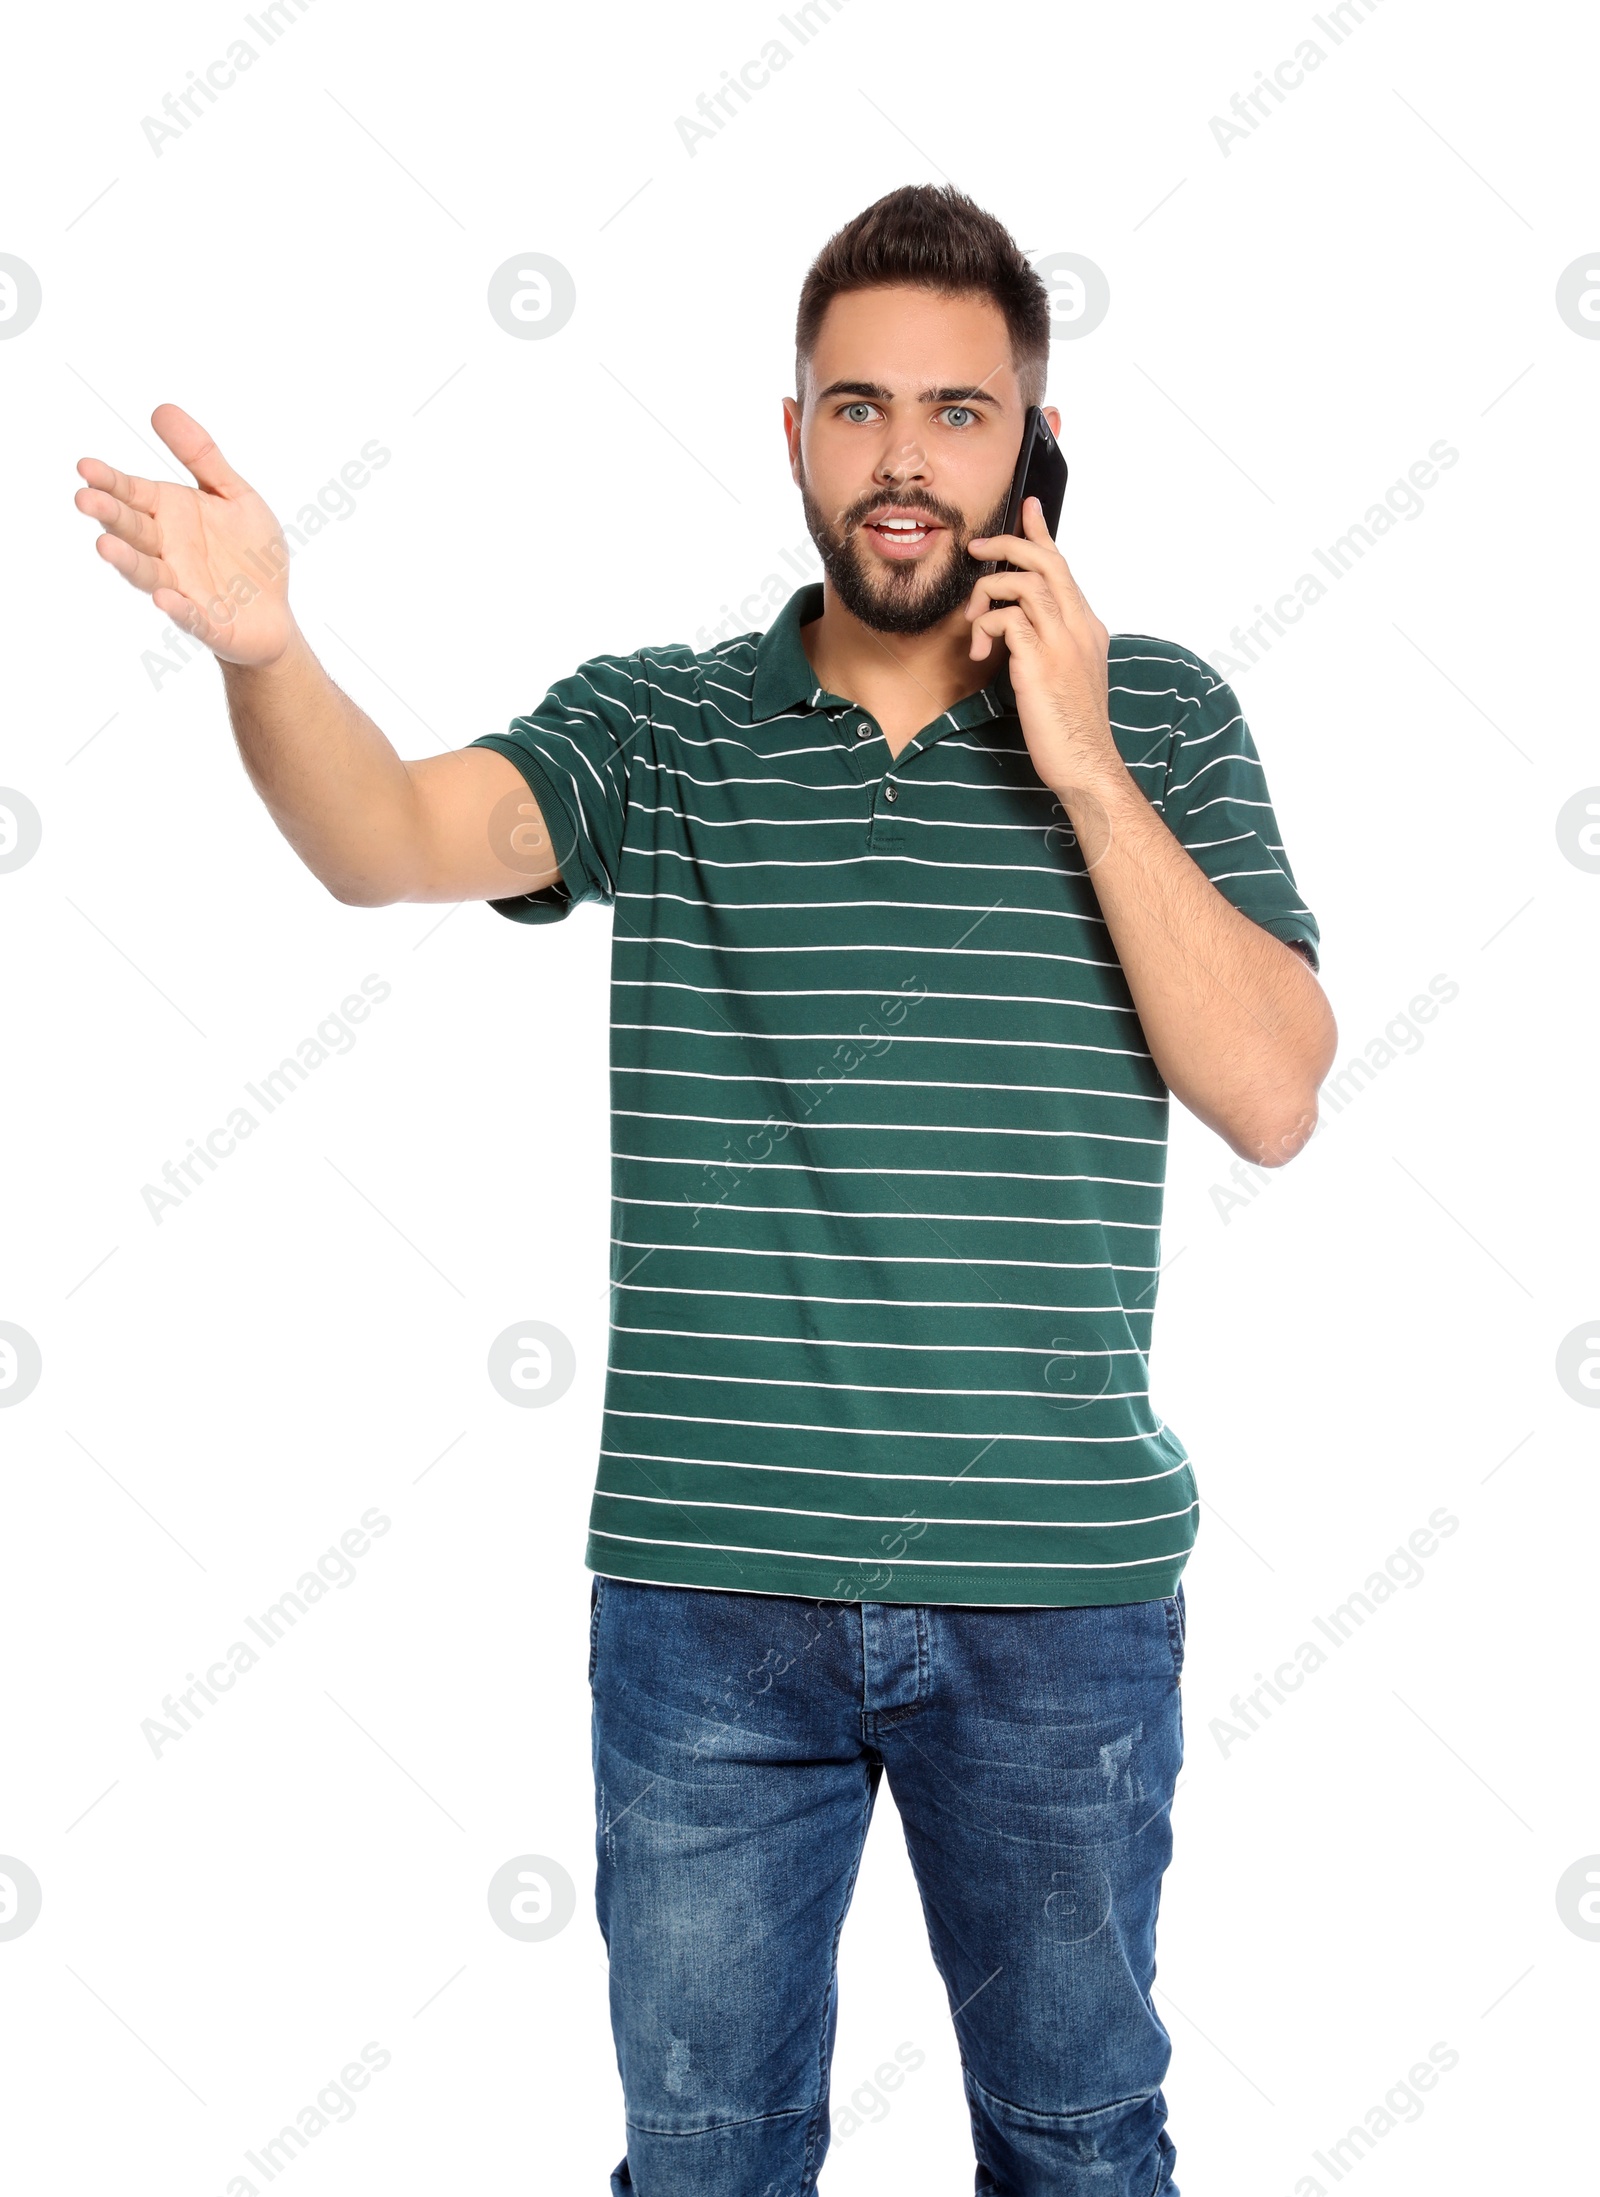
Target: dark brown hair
x,y
937,238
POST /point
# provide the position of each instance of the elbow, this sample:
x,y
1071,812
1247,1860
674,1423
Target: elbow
x,y
1282,1125
1273,1140
359,893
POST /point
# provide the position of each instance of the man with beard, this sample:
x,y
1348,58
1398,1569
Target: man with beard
x,y
924,902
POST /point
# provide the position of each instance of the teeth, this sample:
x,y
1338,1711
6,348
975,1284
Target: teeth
x,y
903,526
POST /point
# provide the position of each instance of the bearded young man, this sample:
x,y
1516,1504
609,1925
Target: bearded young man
x,y
924,902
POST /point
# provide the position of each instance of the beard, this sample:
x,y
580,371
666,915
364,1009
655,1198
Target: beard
x,y
906,597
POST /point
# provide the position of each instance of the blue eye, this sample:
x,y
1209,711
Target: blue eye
x,y
964,411
859,413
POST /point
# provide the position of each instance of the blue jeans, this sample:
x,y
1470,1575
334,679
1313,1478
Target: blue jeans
x,y
1032,1753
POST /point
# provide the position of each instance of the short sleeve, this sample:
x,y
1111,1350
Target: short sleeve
x,y
574,750
1215,802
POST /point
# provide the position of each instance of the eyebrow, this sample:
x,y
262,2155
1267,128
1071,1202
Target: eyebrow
x,y
879,395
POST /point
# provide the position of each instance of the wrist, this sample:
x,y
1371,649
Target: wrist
x,y
1094,795
294,651
1095,779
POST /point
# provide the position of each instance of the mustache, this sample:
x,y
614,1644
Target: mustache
x,y
912,500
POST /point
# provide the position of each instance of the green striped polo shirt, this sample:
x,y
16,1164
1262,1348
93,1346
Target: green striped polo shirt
x,y
888,1145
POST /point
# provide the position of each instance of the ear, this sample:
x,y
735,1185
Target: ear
x,y
791,430
1052,419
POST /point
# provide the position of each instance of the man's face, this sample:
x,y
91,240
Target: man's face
x,y
904,448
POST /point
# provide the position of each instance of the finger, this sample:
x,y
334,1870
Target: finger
x,y
1012,546
1046,561
1023,587
1033,520
1040,554
193,447
120,519
128,488
141,571
1014,627
1032,550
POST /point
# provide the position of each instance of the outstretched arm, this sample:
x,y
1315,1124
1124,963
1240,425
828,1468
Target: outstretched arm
x,y
372,828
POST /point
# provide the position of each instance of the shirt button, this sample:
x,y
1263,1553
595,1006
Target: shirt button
x,y
863,731
891,791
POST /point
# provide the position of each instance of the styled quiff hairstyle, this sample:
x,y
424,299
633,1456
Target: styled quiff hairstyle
x,y
937,238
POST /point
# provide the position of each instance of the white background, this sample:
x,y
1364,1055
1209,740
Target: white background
x,y
1370,1337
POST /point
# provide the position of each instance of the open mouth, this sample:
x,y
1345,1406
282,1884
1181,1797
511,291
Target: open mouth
x,y
902,534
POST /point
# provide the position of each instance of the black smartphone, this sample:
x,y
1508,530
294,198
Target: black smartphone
x,y
1042,472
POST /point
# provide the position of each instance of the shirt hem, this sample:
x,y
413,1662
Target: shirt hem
x,y
829,1581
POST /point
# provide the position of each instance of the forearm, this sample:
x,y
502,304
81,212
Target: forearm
x,y
331,781
1237,1025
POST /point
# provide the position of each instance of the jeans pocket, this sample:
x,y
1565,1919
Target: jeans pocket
x,y
594,1625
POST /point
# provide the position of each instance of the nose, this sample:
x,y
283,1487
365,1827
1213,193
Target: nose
x,y
900,463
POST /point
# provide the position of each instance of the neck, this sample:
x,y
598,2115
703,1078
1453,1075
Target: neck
x,y
904,679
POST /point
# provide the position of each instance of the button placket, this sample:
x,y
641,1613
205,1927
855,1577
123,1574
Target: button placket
x,y
853,732
884,835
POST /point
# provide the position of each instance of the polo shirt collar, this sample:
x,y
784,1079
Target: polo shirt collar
x,y
784,679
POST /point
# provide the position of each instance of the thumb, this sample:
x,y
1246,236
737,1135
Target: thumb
x,y
193,447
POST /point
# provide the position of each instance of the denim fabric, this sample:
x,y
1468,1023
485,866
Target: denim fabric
x,y
1032,1753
